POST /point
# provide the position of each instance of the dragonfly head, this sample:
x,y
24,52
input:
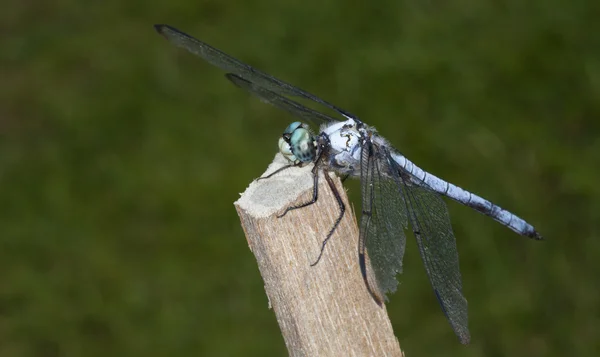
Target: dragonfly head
x,y
297,143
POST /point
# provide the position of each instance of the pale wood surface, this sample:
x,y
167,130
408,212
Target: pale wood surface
x,y
323,310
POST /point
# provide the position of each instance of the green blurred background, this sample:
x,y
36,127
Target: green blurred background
x,y
121,157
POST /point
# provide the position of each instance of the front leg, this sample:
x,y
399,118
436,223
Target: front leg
x,y
297,164
315,173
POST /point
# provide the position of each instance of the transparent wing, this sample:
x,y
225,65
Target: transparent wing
x,y
295,108
230,64
383,222
430,222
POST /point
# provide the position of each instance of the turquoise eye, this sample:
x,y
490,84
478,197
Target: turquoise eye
x,y
290,129
297,143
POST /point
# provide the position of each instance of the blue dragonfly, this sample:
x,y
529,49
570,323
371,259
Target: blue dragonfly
x,y
396,194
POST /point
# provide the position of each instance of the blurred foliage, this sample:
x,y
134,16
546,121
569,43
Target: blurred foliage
x,y
121,155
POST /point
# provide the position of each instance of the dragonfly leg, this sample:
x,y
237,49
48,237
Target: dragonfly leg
x,y
278,171
342,207
315,173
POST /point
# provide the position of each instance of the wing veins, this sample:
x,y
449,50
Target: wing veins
x,y
228,63
443,273
281,102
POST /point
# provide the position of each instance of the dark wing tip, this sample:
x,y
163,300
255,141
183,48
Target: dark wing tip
x,y
159,28
375,297
162,29
363,270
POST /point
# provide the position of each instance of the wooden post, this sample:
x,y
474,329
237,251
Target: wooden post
x,y
323,310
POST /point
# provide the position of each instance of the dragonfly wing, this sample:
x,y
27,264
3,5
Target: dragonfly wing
x,y
383,222
431,225
230,64
302,112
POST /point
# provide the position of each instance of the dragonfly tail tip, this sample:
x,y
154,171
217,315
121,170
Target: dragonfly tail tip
x,y
535,235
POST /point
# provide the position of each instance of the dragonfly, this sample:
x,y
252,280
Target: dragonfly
x,y
396,194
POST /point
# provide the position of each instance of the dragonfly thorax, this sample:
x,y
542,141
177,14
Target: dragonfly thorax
x,y
344,147
297,143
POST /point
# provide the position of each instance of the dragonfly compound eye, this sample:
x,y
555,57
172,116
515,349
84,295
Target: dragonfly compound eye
x,y
291,128
302,144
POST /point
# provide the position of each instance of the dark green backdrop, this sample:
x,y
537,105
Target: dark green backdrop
x,y
121,156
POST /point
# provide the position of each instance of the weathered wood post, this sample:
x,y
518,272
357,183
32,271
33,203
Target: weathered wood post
x,y
323,310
